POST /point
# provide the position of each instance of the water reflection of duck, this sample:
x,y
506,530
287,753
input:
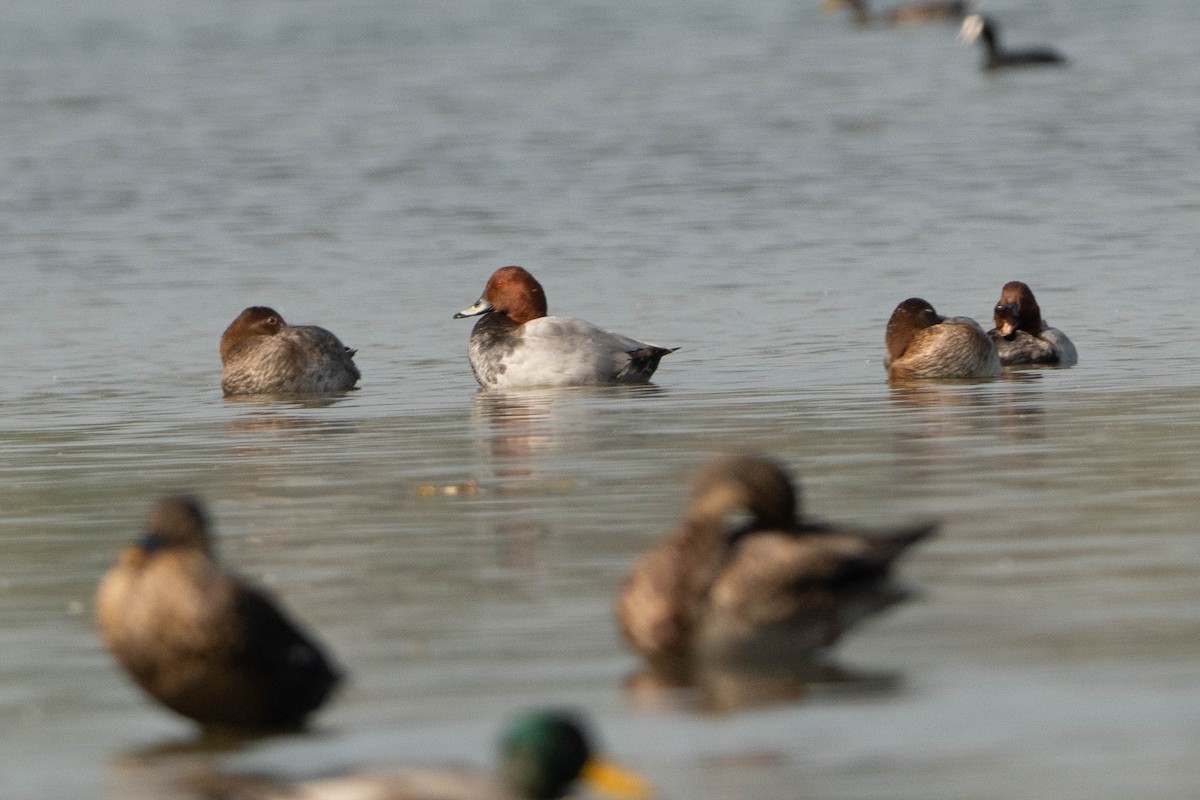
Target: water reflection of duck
x,y
985,29
770,588
263,355
200,641
542,754
515,345
1022,337
922,344
724,688
907,14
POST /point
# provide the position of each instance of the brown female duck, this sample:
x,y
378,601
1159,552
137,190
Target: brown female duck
x,y
262,354
761,589
922,344
1022,337
203,642
906,14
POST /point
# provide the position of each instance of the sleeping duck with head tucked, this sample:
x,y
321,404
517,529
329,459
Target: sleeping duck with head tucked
x,y
746,580
263,355
922,344
1022,337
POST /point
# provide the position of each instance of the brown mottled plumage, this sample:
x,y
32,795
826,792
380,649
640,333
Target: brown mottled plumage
x,y
200,641
922,344
1022,337
262,354
906,14
768,587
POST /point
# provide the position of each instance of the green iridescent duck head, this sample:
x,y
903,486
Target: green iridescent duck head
x,y
544,752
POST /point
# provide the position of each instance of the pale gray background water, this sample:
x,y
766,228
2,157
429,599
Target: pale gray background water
x,y
753,182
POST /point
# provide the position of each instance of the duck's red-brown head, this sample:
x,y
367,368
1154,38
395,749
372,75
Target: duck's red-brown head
x,y
513,292
1017,310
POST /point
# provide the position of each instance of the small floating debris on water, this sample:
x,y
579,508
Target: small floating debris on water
x,y
522,487
429,490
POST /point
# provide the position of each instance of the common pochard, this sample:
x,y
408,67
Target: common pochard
x,y
262,354
922,344
1022,336
515,345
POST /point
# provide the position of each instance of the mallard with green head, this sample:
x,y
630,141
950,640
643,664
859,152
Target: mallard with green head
x,y
543,754
744,579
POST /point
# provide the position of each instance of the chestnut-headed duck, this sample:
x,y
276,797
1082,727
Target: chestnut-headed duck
x,y
978,27
262,354
201,641
745,579
1022,337
905,14
542,754
515,345
922,344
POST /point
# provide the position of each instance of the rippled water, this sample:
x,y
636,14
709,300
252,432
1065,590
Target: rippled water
x,y
758,185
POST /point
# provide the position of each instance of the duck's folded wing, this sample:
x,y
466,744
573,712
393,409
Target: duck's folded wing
x,y
564,349
296,666
776,577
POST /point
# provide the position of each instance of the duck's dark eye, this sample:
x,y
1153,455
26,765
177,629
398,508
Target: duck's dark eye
x,y
272,321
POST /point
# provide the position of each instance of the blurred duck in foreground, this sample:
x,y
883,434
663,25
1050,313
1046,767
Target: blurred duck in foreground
x,y
1022,337
202,642
985,29
921,344
745,580
542,754
906,14
262,354
515,345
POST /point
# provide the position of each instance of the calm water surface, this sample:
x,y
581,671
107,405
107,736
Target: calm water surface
x,y
759,185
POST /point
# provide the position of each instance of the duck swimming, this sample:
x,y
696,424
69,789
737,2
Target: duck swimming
x,y
985,29
906,14
542,754
1022,337
515,345
745,579
203,642
262,354
922,344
